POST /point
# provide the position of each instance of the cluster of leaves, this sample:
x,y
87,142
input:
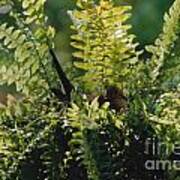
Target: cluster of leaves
x,y
43,139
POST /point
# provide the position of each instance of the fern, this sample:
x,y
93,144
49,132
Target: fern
x,y
164,64
29,55
25,41
85,140
88,122
165,50
26,46
163,69
82,124
14,39
105,51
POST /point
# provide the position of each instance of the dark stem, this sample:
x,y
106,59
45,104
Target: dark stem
x,y
68,87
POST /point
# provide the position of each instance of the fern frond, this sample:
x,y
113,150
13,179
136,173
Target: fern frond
x,y
79,144
28,42
105,51
88,122
165,43
23,71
